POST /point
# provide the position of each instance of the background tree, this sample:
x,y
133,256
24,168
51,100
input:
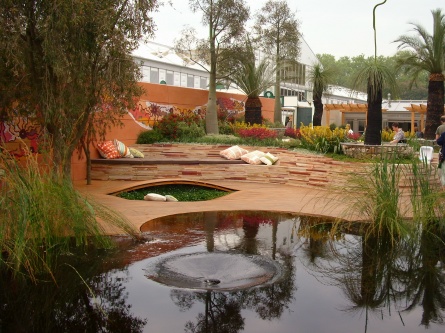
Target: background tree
x,y
225,21
252,77
278,32
66,60
426,53
320,77
347,67
376,75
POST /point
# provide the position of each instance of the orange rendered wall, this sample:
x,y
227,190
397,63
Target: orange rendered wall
x,y
163,98
181,99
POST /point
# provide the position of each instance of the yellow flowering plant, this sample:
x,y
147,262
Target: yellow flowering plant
x,y
322,138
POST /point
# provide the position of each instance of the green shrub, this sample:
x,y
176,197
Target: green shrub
x,y
226,128
149,137
190,132
169,125
220,139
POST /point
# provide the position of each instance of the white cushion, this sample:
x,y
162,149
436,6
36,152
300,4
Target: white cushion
x,y
233,153
155,197
170,198
253,157
269,159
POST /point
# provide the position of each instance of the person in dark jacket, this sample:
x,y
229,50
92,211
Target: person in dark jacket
x,y
441,142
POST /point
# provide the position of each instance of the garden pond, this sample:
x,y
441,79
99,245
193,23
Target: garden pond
x,y
239,271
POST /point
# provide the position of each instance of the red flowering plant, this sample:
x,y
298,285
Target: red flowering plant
x,y
292,133
354,136
259,133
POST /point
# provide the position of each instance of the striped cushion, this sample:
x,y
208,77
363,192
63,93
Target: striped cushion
x,y
122,149
233,153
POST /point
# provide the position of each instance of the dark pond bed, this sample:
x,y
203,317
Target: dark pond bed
x,y
260,272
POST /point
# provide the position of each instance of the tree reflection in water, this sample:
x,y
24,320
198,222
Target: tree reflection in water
x,y
96,304
376,271
222,310
379,275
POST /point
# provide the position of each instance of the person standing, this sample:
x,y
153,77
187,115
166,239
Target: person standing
x,y
441,128
399,137
441,142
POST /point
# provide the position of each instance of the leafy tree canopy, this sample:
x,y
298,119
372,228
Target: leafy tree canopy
x,y
62,61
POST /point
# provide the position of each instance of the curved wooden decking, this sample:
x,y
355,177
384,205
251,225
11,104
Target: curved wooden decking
x,y
302,183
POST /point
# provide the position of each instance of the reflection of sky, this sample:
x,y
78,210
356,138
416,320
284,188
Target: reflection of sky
x,y
316,307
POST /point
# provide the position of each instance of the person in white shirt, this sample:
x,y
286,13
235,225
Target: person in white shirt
x,y
399,137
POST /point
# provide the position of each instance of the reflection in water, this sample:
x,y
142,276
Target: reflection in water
x,y
98,304
333,280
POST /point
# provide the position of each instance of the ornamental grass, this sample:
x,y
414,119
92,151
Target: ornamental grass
x,y
42,216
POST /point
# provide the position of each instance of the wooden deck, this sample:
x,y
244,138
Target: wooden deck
x,y
302,183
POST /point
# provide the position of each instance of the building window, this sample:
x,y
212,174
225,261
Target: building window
x,y
154,75
177,76
196,82
145,73
190,81
183,80
162,75
203,83
169,78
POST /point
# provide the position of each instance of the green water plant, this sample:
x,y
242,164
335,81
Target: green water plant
x,y
426,196
376,195
182,192
43,216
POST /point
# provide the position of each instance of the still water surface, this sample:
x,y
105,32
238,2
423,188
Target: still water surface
x,y
328,282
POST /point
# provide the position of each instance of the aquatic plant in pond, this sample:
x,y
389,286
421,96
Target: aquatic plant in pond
x,y
427,197
43,216
375,194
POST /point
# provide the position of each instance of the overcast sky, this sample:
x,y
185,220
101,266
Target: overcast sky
x,y
337,27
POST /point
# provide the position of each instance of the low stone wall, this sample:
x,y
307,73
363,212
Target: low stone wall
x,y
203,163
359,150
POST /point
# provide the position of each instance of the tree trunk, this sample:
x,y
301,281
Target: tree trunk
x,y
318,111
277,105
373,131
253,111
434,108
211,113
86,150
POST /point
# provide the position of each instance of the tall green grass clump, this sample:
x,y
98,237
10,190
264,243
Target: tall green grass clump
x,y
427,198
376,195
43,216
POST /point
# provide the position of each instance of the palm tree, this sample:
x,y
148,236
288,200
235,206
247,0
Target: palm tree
x,y
252,79
320,77
426,53
376,75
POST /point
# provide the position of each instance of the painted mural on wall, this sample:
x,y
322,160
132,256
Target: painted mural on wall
x,y
20,136
147,113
